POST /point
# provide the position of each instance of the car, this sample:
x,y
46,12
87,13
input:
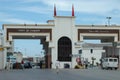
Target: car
x,y
27,65
17,66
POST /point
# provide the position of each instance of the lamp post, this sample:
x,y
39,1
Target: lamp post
x,y
25,52
108,20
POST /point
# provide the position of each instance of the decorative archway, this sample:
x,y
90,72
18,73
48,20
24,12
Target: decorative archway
x,y
64,49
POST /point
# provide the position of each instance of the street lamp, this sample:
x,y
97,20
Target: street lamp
x,y
108,20
25,52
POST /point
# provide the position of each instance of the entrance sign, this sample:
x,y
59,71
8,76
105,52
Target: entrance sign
x,y
29,30
105,31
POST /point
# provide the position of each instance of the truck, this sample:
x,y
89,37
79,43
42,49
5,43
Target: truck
x,y
10,61
110,63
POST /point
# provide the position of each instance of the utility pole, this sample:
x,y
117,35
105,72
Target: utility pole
x,y
25,52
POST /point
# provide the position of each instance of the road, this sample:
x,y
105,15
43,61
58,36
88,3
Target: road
x,y
64,74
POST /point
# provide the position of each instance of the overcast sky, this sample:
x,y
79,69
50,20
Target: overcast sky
x,y
39,11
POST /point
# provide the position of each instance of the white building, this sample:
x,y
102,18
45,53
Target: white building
x,y
60,36
89,52
37,59
1,50
19,56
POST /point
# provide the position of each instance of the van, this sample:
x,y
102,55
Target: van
x,y
110,63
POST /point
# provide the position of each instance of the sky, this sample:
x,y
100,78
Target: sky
x,y
39,11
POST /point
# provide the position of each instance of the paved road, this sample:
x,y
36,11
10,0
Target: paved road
x,y
64,74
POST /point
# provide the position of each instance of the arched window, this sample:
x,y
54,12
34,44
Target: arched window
x,y
64,49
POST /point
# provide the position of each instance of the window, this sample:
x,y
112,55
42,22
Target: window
x,y
91,50
80,51
106,60
115,60
110,60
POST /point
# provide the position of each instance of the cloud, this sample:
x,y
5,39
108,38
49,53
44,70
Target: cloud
x,y
16,20
34,9
30,1
100,7
4,15
89,6
95,7
8,18
21,1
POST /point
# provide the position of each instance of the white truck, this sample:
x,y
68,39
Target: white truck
x,y
10,61
110,63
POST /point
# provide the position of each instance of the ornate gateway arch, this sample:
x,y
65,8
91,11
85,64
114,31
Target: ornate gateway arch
x,y
51,33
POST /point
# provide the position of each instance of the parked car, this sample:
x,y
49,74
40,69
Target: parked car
x,y
27,65
17,66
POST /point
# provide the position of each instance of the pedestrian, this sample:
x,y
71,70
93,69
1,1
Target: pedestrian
x,y
41,63
8,64
50,64
57,64
22,64
86,63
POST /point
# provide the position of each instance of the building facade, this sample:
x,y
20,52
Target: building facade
x,y
2,48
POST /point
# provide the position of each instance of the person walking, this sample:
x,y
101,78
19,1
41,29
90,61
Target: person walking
x,y
22,63
57,64
86,63
41,63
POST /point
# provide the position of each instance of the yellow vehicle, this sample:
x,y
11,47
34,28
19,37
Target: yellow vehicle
x,y
79,66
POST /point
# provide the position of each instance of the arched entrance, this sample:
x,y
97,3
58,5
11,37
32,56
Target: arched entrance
x,y
64,49
23,31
